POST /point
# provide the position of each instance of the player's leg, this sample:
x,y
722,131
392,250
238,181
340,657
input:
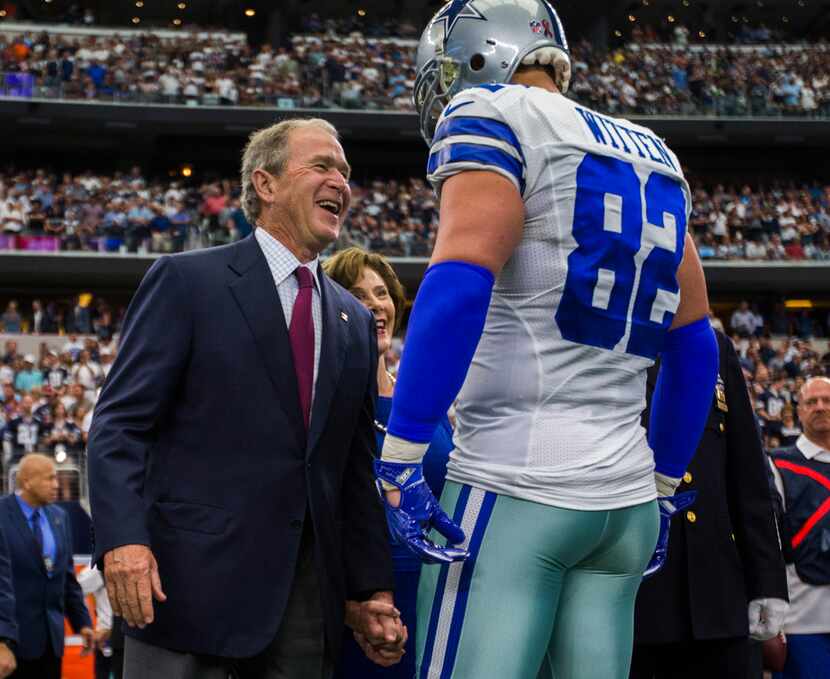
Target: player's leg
x,y
491,617
594,628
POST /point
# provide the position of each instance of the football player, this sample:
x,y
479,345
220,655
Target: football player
x,y
562,268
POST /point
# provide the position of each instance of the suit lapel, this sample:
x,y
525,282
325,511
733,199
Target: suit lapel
x,y
18,519
252,285
332,357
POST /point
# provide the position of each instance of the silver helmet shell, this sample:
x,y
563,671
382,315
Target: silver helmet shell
x,y
473,42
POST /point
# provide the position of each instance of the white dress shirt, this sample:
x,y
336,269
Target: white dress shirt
x,y
809,604
282,263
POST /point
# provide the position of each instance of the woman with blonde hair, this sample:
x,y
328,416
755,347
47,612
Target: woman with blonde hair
x,y
370,278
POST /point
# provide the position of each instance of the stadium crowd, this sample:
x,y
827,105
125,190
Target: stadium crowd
x,y
776,369
325,69
130,213
774,222
46,401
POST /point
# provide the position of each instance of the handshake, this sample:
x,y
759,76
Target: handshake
x,y
377,628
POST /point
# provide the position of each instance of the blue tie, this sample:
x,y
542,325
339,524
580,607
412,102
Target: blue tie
x,y
38,533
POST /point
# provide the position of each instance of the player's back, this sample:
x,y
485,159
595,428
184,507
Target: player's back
x,y
550,410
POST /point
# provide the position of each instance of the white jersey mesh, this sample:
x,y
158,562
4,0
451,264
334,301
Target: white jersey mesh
x,y
540,417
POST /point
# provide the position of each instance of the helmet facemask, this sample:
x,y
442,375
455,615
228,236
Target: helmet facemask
x,y
434,87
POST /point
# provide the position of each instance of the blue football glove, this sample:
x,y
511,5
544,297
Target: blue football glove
x,y
669,506
418,512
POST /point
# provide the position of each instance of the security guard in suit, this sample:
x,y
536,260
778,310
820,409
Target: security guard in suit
x,y
724,564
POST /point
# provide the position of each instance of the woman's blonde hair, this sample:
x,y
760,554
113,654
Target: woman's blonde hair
x,y
346,267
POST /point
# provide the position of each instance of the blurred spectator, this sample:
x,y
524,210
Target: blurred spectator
x,y
10,353
10,399
802,476
22,433
73,346
38,317
790,431
76,398
107,357
716,322
29,377
743,321
11,319
80,320
63,435
45,587
87,373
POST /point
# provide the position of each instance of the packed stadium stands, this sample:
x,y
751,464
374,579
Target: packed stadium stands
x,y
355,71
41,211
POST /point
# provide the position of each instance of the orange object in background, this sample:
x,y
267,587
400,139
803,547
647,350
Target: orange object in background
x,y
74,666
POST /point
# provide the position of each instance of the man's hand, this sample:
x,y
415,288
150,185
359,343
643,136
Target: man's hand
x,y
132,578
89,640
102,636
411,510
8,664
377,628
377,619
385,657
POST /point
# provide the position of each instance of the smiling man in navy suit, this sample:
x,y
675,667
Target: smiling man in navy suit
x,y
45,588
230,454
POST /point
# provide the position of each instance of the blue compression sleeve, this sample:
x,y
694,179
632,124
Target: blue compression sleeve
x,y
444,329
683,395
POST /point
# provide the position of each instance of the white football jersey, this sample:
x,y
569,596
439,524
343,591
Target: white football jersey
x,y
550,410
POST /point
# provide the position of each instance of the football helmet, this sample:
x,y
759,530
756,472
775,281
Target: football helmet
x,y
474,42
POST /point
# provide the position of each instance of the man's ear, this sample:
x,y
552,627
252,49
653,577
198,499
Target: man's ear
x,y
265,185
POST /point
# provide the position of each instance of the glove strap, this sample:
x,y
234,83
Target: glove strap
x,y
398,475
401,453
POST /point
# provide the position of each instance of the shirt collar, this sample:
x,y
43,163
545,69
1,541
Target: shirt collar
x,y
808,448
28,510
281,260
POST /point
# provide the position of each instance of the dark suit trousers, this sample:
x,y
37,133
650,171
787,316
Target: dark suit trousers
x,y
46,667
297,652
736,658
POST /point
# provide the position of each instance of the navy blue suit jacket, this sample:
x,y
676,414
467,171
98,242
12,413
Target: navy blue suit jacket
x,y
198,449
8,616
42,602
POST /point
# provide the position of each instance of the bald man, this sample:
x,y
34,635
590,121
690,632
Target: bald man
x,y
802,478
45,588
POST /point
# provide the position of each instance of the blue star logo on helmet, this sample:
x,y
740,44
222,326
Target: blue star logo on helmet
x,y
455,12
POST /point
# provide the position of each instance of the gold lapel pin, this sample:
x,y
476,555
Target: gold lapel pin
x,y
344,316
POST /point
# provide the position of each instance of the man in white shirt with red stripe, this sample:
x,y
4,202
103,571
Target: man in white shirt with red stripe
x,y
802,478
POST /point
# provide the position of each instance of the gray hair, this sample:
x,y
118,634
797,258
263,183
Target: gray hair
x,y
267,149
810,381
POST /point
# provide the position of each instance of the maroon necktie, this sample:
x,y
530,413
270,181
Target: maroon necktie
x,y
301,335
